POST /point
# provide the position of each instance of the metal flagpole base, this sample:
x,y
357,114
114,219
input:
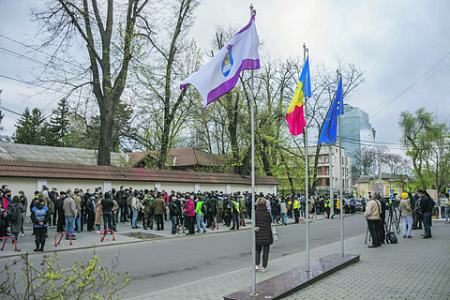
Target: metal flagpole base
x,y
254,295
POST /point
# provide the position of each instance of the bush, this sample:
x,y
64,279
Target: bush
x,y
86,280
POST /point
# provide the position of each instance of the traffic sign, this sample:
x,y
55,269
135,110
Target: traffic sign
x,y
448,191
392,197
380,186
354,193
391,191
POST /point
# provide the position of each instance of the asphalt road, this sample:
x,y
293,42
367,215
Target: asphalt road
x,y
160,264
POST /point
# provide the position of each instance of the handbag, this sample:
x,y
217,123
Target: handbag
x,y
274,232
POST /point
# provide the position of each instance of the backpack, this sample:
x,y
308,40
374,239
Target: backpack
x,y
391,238
204,208
13,212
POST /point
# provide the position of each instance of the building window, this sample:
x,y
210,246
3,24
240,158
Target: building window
x,y
324,159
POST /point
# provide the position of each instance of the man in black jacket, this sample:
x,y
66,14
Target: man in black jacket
x,y
427,205
53,194
61,217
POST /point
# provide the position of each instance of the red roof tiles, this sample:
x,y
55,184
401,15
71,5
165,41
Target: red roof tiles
x,y
33,169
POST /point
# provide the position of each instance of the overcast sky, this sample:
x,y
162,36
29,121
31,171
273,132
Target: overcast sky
x,y
403,48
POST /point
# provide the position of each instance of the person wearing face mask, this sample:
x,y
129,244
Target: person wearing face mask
x,y
40,216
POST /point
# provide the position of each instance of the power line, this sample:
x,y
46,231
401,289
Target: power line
x,y
34,84
403,92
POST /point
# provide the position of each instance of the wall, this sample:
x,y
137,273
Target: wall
x,y
30,185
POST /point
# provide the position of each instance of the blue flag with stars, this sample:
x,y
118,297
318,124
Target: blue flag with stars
x,y
328,134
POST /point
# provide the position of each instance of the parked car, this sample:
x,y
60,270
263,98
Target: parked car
x,y
358,205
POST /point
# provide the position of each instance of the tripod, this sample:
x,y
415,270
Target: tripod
x,y
393,220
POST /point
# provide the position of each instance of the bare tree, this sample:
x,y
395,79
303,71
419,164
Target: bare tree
x,y
171,62
95,23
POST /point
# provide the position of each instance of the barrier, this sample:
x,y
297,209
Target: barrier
x,y
178,228
314,216
214,225
105,232
62,234
242,221
6,238
325,214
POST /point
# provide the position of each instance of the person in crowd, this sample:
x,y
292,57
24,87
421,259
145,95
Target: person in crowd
x,y
77,199
6,203
327,207
189,212
427,205
296,209
70,213
406,212
107,204
61,217
149,211
15,215
115,212
242,209
40,216
2,219
418,213
98,212
227,211
45,194
234,213
179,202
53,194
352,206
219,209
123,205
90,211
276,211
447,208
174,212
283,211
337,208
24,201
160,208
136,207
263,234
200,210
372,215
165,197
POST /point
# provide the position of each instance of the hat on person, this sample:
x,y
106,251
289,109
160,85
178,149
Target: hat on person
x,y
404,195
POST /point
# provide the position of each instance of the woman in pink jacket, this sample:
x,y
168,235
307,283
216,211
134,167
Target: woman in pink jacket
x,y
189,213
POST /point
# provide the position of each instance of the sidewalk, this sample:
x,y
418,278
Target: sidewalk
x,y
414,268
90,239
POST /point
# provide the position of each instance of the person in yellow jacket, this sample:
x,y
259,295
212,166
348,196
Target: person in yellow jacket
x,y
337,208
296,207
327,207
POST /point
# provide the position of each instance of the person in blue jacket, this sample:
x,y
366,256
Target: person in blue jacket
x,y
40,216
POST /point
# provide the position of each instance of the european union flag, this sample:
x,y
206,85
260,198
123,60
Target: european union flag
x,y
328,134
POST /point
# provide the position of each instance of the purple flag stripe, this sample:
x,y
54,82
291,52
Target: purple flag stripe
x,y
247,64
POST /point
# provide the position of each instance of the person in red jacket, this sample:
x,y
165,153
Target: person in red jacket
x,y
189,213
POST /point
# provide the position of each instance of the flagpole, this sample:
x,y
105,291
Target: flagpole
x,y
252,114
306,172
340,175
331,182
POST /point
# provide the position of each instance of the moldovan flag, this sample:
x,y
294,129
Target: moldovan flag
x,y
221,73
328,134
295,116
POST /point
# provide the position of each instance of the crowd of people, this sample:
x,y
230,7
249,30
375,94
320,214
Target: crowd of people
x,y
415,211
93,210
